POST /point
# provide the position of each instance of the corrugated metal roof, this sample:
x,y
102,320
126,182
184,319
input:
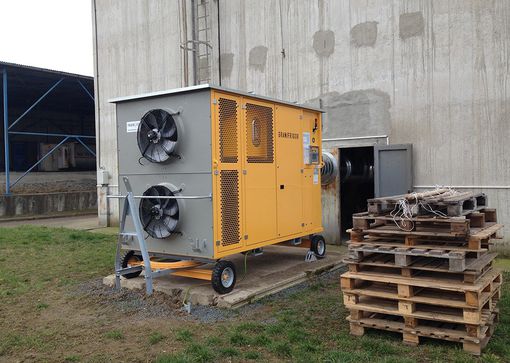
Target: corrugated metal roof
x,y
45,70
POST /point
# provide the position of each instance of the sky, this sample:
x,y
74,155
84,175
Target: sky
x,y
54,34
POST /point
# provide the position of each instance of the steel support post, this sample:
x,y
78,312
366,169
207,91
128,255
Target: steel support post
x,y
6,134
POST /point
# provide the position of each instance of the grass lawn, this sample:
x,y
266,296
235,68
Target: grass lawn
x,y
53,309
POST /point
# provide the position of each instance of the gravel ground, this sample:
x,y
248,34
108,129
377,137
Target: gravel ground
x,y
139,306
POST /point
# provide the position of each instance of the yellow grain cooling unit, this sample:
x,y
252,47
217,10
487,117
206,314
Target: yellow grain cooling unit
x,y
220,172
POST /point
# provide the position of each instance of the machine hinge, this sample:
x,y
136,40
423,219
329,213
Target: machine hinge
x,y
245,172
218,243
245,236
216,172
214,101
300,117
243,106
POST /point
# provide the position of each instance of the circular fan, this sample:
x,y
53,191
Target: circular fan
x,y
157,135
159,215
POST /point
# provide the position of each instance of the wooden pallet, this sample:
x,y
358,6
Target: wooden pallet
x,y
477,238
393,294
454,226
452,205
406,256
473,338
419,242
475,267
408,297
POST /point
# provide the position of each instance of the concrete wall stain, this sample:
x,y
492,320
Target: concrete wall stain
x,y
227,63
355,113
411,25
258,57
324,43
364,34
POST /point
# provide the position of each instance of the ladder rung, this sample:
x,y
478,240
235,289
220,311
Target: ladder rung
x,y
128,234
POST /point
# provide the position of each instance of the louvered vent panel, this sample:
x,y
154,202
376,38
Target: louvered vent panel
x,y
228,130
259,134
229,185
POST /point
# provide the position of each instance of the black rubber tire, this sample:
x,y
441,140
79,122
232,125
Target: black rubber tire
x,y
125,260
217,274
318,246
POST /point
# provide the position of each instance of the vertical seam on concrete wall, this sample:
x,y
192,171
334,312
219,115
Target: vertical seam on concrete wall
x,y
219,41
282,51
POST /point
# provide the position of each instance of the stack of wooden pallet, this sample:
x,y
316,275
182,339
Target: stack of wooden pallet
x,y
427,273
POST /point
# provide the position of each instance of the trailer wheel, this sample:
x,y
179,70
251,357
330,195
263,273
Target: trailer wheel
x,y
223,277
318,246
128,258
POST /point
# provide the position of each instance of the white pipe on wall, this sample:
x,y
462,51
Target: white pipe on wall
x,y
465,186
359,138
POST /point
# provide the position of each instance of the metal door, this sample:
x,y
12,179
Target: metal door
x,y
393,172
227,164
289,149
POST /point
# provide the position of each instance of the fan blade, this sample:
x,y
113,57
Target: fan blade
x,y
170,132
145,149
147,224
170,223
144,122
168,193
146,207
173,210
152,121
164,117
168,146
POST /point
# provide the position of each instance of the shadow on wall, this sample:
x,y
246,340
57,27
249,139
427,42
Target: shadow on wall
x,y
355,113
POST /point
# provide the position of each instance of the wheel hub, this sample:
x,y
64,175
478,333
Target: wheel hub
x,y
320,247
227,277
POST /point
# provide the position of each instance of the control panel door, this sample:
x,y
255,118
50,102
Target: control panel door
x,y
312,208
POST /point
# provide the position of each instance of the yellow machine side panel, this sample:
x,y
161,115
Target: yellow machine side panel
x,y
264,193
259,171
289,159
227,172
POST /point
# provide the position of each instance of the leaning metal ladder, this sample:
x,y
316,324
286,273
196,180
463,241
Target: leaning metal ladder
x,y
131,209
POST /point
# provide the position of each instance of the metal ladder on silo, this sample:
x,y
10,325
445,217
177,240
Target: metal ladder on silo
x,y
200,44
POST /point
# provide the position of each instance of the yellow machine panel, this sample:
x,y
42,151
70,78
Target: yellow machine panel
x,y
266,172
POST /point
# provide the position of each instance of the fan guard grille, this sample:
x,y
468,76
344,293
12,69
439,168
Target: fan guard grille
x,y
159,216
157,135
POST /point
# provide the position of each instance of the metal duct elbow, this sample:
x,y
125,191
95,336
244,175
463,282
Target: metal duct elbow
x,y
329,170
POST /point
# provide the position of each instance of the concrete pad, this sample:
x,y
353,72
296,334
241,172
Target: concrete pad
x,y
279,268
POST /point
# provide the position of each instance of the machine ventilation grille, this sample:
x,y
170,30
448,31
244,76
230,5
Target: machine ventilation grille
x,y
229,184
259,134
157,135
228,130
159,216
